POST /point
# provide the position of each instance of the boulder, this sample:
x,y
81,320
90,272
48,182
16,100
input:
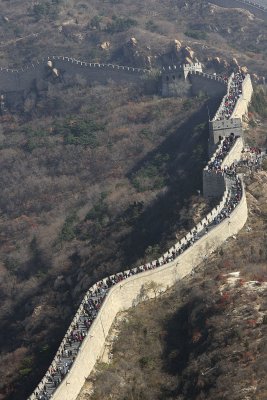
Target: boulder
x,y
244,70
218,64
133,42
216,60
55,72
188,52
176,46
255,78
104,45
234,62
135,55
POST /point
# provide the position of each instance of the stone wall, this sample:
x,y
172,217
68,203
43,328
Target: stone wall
x,y
127,294
224,127
253,7
214,183
39,74
242,104
207,84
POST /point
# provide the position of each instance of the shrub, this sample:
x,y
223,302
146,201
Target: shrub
x,y
196,34
259,103
95,22
120,24
187,104
79,131
25,371
264,165
152,176
151,26
45,9
99,213
67,232
35,138
27,364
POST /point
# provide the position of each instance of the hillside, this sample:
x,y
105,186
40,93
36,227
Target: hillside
x,y
101,31
98,178
67,207
204,339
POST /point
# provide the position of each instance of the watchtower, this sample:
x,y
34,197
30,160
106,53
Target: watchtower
x,y
174,79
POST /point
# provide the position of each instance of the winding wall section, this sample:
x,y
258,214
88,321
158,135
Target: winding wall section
x,y
124,290
15,80
38,76
257,8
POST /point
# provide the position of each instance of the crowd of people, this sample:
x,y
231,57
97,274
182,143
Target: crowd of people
x,y
230,99
217,160
96,295
231,202
252,158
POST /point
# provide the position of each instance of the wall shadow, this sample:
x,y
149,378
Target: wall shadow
x,y
188,154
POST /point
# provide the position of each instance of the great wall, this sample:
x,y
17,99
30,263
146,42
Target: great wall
x,y
124,290
84,340
258,8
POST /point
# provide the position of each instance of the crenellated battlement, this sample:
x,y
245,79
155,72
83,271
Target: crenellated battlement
x,y
71,60
176,80
38,75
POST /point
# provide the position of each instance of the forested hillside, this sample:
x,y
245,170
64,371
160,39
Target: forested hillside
x,y
94,179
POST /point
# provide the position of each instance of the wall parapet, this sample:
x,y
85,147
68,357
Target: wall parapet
x,y
39,73
244,3
243,101
80,63
255,8
209,76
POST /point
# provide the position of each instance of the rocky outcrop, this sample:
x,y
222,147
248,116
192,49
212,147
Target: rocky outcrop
x,y
188,53
136,54
105,45
176,47
220,65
